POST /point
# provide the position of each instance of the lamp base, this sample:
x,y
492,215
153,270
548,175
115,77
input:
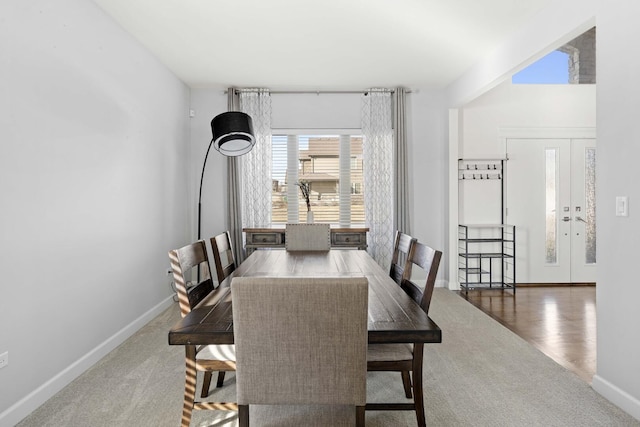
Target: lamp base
x,y
309,217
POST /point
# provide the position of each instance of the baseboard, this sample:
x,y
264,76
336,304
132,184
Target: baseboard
x,y
547,285
22,408
452,285
618,397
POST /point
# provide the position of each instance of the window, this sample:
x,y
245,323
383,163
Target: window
x,y
553,68
332,167
551,208
572,63
590,196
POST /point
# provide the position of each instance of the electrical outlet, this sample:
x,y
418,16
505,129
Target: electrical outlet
x,y
4,359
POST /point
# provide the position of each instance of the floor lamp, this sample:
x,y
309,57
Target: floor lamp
x,y
232,136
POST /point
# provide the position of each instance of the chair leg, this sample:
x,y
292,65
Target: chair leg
x,y
406,382
220,379
418,396
189,385
206,383
360,416
243,415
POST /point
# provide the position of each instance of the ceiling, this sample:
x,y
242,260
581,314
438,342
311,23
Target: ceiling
x,y
320,45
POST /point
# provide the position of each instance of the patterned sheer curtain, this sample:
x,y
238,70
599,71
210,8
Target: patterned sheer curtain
x,y
256,165
378,173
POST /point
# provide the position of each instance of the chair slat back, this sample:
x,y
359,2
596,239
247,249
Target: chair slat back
x,y
307,333
429,260
402,246
223,255
183,261
308,237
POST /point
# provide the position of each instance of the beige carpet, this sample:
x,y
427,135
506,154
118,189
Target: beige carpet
x,y
481,375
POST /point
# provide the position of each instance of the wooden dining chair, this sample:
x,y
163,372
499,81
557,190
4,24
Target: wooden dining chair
x,y
223,255
401,247
307,237
309,334
184,261
225,265
407,358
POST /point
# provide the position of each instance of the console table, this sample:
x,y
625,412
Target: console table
x,y
273,238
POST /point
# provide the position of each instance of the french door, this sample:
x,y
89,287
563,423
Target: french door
x,y
550,198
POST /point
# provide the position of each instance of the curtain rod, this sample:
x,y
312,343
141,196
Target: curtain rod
x,y
318,92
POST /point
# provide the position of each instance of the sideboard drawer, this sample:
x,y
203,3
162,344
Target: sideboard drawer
x,y
349,239
274,238
264,239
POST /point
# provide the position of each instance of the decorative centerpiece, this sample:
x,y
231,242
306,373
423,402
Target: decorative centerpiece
x,y
305,189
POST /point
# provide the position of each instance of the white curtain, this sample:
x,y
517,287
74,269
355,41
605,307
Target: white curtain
x,y
378,173
256,165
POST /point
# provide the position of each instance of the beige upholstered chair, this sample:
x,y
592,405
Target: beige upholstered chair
x,y
209,358
309,334
223,255
307,237
407,358
402,246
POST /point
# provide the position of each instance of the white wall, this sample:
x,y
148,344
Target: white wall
x,y
617,174
523,106
92,175
617,105
311,111
206,104
428,152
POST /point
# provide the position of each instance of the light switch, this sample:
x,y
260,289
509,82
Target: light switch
x,y
622,206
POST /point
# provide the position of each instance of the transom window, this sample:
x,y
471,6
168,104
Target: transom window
x,y
331,166
572,63
551,69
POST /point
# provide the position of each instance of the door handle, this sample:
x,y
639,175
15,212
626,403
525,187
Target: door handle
x,y
579,218
566,218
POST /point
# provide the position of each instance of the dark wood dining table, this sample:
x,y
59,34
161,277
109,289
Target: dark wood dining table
x,y
393,317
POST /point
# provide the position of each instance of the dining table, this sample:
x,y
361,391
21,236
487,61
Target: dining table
x,y
393,316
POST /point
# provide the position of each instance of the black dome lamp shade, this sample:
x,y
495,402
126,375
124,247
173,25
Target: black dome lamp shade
x,y
233,133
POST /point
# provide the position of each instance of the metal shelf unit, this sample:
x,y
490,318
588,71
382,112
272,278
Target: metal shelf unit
x,y
486,256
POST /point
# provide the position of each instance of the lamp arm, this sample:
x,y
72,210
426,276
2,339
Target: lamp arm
x,y
200,193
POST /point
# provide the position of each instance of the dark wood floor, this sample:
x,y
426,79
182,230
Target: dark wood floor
x,y
559,320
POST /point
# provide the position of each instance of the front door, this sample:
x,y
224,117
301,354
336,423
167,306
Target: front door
x,y
550,198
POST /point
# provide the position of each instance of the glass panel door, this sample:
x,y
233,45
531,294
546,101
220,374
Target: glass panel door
x,y
550,198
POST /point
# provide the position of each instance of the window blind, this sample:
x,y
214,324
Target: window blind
x,y
331,165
